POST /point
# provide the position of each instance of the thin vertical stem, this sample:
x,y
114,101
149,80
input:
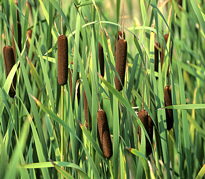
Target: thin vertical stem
x,y
62,129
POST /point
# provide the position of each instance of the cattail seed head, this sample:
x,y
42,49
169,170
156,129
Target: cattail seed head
x,y
62,60
104,133
18,39
121,63
148,125
101,58
168,102
9,62
86,112
117,37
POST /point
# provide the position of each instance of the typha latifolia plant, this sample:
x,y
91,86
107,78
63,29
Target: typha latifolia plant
x,y
35,151
62,46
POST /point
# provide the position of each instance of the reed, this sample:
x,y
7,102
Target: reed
x,y
121,63
104,133
9,62
62,59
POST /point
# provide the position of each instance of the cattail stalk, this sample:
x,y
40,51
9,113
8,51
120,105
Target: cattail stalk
x,y
62,60
148,125
104,133
101,58
121,63
62,79
9,62
168,102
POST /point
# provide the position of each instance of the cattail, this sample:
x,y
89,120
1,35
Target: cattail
x,y
117,37
62,60
101,58
18,39
86,111
168,102
9,62
120,63
104,133
148,125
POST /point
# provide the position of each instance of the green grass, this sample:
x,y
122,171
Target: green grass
x,y
31,136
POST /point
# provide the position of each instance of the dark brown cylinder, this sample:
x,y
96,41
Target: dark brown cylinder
x,y
104,134
9,62
168,102
117,37
86,112
148,125
121,63
62,60
101,58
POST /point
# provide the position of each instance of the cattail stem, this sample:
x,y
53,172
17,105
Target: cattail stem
x,y
62,129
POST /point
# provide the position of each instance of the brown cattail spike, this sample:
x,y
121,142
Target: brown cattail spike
x,y
62,60
8,64
104,133
18,39
86,112
121,63
148,125
101,58
117,37
168,102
